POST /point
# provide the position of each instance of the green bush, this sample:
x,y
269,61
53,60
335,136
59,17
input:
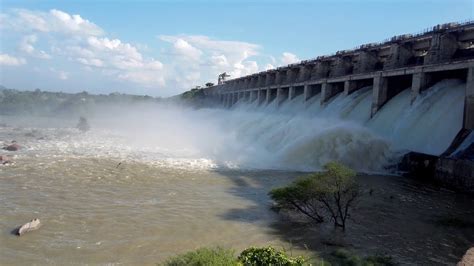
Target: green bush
x,y
332,193
268,256
204,257
263,256
252,256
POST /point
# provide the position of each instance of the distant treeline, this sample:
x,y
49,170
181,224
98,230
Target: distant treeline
x,y
37,102
196,98
46,103
193,94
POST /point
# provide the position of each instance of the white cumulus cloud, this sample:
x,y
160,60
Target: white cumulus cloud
x,y
206,57
183,48
267,67
8,60
119,58
27,46
90,61
219,61
62,21
53,21
289,58
73,42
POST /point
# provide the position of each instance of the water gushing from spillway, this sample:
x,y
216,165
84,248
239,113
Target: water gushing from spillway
x,y
342,129
294,135
429,124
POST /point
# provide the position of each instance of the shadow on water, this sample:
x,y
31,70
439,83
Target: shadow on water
x,y
413,222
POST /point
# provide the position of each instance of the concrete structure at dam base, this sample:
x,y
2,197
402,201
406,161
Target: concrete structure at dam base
x,y
406,61
454,173
453,168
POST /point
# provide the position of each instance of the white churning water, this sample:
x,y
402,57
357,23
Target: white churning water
x,y
303,136
293,136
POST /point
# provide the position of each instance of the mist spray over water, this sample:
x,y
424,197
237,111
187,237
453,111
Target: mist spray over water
x,y
294,135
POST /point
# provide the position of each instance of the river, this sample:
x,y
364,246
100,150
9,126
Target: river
x,y
148,182
97,213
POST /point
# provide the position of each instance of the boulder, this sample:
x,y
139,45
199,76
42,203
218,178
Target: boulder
x,y
4,160
468,258
35,224
12,147
83,125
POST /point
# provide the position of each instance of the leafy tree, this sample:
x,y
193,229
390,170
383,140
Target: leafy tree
x,y
299,196
332,193
196,93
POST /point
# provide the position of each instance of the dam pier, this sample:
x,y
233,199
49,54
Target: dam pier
x,y
405,61
414,62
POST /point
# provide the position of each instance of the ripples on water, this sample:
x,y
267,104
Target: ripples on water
x,y
94,212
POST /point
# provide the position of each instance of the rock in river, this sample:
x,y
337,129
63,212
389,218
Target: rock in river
x,y
5,160
12,147
468,258
35,224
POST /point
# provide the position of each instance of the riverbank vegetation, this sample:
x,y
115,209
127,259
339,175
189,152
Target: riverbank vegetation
x,y
261,256
249,256
331,194
204,256
193,94
197,98
37,102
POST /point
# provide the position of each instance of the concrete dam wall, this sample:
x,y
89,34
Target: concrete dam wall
x,y
415,61
416,91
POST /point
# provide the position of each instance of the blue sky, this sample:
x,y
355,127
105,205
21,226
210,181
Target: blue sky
x,y
162,48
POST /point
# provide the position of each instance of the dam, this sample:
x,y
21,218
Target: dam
x,y
407,62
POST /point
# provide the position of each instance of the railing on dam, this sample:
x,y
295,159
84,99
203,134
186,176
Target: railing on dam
x,y
405,61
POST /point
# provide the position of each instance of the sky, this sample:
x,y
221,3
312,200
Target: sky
x,y
162,48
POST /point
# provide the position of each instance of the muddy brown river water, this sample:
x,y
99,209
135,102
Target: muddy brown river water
x,y
97,213
94,212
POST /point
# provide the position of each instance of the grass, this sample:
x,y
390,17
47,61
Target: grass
x,y
203,257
